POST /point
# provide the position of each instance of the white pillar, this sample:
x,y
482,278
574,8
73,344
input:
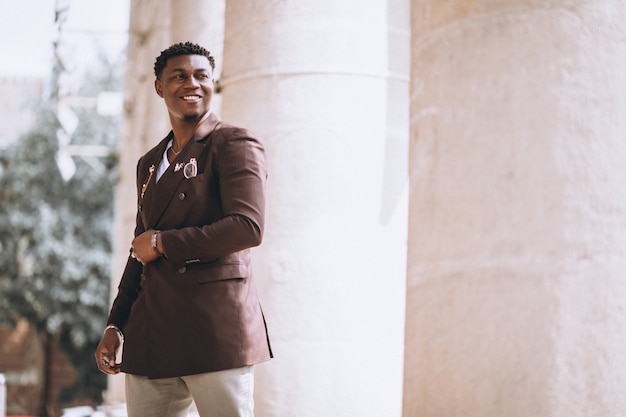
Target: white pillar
x,y
153,27
517,239
145,122
201,22
325,86
3,396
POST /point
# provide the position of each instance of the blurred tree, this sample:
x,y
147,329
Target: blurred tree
x,y
55,234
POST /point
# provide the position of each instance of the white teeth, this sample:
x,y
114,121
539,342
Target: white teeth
x,y
191,97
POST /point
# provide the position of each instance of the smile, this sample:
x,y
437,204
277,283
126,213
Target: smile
x,y
191,98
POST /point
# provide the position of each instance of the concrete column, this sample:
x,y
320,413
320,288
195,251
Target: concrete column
x,y
145,122
201,22
153,27
517,226
3,396
324,84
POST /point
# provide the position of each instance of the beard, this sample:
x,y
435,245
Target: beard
x,y
192,117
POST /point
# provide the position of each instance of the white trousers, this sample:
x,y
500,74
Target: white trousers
x,y
226,393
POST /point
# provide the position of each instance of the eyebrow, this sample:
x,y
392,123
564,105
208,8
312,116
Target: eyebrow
x,y
184,70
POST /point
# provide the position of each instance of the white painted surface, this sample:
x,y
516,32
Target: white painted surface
x,y
517,227
316,81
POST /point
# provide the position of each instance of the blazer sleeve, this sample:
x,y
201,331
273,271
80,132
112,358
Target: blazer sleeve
x,y
127,293
240,166
128,288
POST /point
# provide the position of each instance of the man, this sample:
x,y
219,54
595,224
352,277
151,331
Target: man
x,y
186,308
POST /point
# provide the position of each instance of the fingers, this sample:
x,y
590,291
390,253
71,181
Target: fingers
x,y
106,351
107,364
134,255
142,248
110,367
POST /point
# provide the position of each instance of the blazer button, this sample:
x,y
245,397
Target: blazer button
x,y
181,196
139,207
182,269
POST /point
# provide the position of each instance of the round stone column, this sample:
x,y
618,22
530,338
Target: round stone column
x,y
153,27
517,226
201,22
324,84
144,124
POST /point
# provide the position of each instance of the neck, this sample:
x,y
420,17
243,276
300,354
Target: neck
x,y
184,130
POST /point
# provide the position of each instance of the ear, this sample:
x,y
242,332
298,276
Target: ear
x,y
158,87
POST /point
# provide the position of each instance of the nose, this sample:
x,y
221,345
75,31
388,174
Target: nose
x,y
192,81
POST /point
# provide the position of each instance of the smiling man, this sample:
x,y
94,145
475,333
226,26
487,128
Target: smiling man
x,y
187,308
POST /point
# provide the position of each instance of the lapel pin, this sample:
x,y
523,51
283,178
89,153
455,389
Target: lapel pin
x,y
191,168
145,184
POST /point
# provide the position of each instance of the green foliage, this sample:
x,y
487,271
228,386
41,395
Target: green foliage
x,y
55,235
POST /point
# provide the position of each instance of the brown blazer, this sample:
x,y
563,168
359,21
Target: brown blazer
x,y
196,309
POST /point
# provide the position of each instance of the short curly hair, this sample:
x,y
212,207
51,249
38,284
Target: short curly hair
x,y
186,48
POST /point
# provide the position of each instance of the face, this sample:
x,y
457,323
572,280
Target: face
x,y
186,85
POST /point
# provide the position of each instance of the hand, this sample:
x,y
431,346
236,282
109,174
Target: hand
x,y
106,352
142,247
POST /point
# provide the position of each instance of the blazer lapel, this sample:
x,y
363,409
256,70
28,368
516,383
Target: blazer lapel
x,y
159,195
